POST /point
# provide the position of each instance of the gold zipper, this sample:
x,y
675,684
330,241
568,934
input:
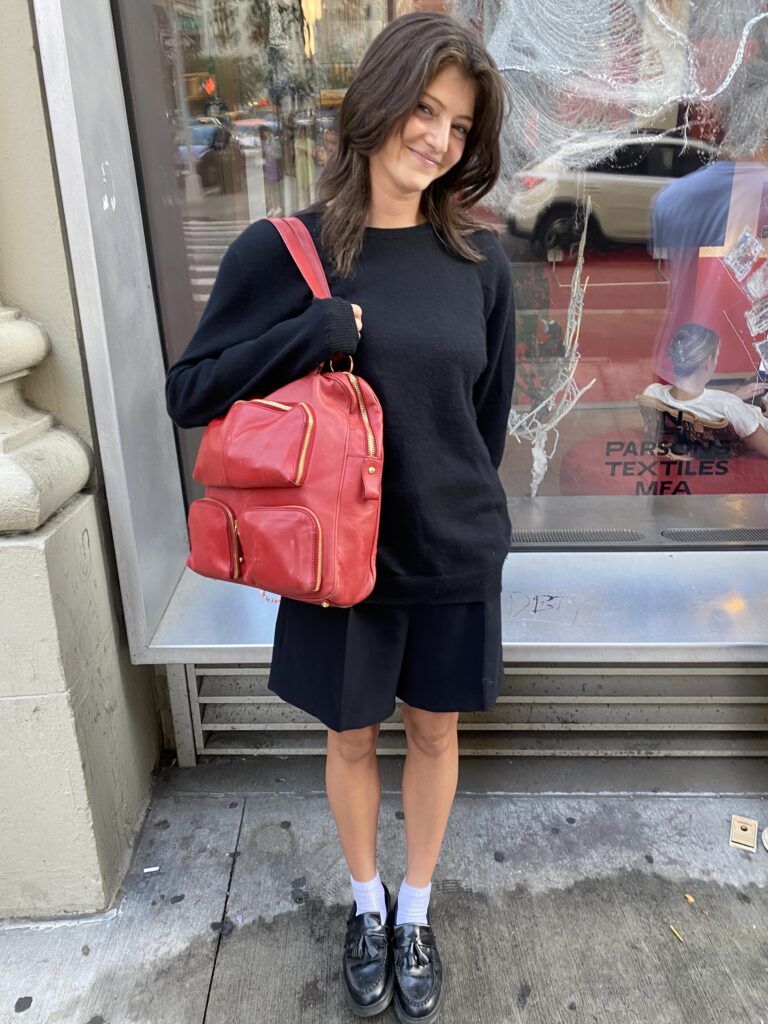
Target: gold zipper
x,y
234,546
276,405
319,577
263,401
364,413
305,444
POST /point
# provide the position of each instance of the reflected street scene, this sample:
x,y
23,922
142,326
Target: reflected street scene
x,y
632,202
252,92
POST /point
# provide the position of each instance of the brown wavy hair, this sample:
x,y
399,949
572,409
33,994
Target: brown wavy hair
x,y
397,67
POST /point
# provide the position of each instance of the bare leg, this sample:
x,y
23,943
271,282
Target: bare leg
x,y
429,786
354,793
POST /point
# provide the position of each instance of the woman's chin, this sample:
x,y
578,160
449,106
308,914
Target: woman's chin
x,y
414,184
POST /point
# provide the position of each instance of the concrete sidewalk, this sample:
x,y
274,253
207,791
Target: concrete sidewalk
x,y
554,901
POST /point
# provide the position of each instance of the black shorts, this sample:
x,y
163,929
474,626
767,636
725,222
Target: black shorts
x,y
345,666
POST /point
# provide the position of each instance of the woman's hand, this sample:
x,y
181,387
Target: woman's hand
x,y
358,317
753,390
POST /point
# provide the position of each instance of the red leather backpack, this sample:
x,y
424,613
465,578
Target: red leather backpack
x,y
293,480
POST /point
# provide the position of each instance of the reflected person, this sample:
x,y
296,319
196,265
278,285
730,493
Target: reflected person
x,y
693,354
711,227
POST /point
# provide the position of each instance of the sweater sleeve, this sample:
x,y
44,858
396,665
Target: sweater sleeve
x,y
261,329
493,390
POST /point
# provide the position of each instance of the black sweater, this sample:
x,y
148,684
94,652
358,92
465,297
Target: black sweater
x,y
438,349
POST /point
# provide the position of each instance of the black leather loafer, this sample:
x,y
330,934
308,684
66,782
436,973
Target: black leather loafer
x,y
369,976
418,974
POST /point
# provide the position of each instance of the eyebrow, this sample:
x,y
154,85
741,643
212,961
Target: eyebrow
x,y
459,117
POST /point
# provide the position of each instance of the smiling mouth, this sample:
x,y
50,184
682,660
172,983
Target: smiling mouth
x,y
425,159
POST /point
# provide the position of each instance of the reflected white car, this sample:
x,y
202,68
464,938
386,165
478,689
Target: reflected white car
x,y
548,201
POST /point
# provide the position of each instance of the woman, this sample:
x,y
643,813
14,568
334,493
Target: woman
x,y
694,353
422,297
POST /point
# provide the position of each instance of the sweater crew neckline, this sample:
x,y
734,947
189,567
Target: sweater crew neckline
x,y
377,233
399,232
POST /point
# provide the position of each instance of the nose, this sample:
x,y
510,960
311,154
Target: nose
x,y
439,135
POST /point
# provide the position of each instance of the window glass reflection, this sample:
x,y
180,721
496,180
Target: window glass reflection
x,y
673,334
252,92
677,237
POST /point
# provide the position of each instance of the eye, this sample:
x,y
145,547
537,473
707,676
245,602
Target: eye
x,y
424,108
461,129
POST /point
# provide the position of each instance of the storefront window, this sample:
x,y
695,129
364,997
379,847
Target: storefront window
x,y
235,103
672,336
654,118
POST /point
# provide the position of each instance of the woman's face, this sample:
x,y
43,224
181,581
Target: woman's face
x,y
432,140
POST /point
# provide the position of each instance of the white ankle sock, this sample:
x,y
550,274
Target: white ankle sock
x,y
412,904
369,897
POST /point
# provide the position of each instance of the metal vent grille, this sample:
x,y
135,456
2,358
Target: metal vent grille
x,y
575,536
705,535
646,712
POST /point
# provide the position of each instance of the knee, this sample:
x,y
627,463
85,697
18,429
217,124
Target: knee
x,y
353,745
431,733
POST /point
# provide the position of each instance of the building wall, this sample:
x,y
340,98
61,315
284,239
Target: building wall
x,y
80,731
34,274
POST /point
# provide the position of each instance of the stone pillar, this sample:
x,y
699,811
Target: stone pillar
x,y
41,466
79,732
76,744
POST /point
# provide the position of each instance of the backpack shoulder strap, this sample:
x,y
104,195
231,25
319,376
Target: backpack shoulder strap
x,y
299,243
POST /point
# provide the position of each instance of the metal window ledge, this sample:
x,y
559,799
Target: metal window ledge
x,y
613,608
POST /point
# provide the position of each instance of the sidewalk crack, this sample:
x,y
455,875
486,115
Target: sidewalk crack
x,y
224,914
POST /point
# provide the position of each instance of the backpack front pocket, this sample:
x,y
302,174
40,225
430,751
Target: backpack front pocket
x,y
259,443
213,540
268,444
282,549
